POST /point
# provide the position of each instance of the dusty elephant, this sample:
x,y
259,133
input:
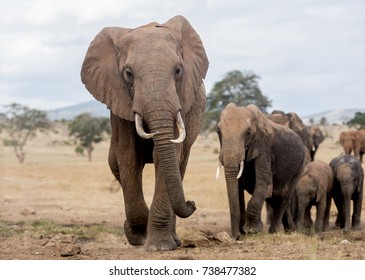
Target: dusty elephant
x,y
347,186
347,139
314,188
261,157
151,78
295,123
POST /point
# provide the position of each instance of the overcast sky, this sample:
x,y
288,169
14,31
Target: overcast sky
x,y
309,54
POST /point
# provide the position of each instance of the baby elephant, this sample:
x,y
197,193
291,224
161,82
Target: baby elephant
x,y
315,188
348,185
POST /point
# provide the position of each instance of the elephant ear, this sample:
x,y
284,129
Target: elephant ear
x,y
101,76
263,134
195,60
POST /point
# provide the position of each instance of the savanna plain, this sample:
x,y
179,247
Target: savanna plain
x,y
58,205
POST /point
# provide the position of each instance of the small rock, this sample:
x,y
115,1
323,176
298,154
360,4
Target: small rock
x,y
345,242
195,239
224,237
28,211
67,250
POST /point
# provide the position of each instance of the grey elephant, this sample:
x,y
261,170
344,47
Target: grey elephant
x,y
314,188
348,185
294,122
263,158
151,79
316,137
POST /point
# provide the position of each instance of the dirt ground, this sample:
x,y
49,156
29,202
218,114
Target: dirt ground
x,y
57,205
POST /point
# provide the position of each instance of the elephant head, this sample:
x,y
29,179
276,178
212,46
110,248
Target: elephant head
x,y
151,76
244,134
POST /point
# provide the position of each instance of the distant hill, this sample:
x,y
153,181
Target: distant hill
x,y
95,108
336,116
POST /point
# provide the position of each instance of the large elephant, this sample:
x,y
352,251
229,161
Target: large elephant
x,y
295,123
314,188
151,78
316,137
262,157
348,185
347,139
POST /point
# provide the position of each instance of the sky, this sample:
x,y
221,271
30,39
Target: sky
x,y
310,55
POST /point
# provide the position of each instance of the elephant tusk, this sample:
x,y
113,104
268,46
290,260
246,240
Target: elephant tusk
x,y
140,130
241,170
218,171
181,127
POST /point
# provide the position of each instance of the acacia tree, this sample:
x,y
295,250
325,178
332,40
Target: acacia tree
x,y
21,124
240,88
88,130
358,120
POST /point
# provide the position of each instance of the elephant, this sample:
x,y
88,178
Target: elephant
x,y
359,144
316,137
347,139
347,186
314,188
263,158
294,122
151,79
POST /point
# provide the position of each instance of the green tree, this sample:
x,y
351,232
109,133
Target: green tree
x,y
358,120
323,121
240,88
88,130
21,124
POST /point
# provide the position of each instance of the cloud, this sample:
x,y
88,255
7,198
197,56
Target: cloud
x,y
302,50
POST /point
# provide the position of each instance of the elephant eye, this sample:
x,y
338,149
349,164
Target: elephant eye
x,y
178,72
248,133
128,75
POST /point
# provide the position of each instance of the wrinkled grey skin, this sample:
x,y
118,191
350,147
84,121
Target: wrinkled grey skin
x,y
150,75
314,189
347,186
273,158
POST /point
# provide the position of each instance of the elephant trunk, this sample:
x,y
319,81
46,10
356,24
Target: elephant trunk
x,y
162,124
233,199
233,161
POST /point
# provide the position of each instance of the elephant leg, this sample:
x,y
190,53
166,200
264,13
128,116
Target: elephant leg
x,y
356,215
253,223
327,213
346,207
135,225
241,197
321,208
161,230
300,219
269,213
308,223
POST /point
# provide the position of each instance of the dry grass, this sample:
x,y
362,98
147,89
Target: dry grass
x,y
56,191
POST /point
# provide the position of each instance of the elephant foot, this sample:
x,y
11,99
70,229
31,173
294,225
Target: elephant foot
x,y
252,227
136,235
356,227
154,245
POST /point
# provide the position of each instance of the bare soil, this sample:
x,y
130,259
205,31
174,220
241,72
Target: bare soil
x,y
57,205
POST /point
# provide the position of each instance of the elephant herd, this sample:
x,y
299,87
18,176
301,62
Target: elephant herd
x,y
151,79
271,162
